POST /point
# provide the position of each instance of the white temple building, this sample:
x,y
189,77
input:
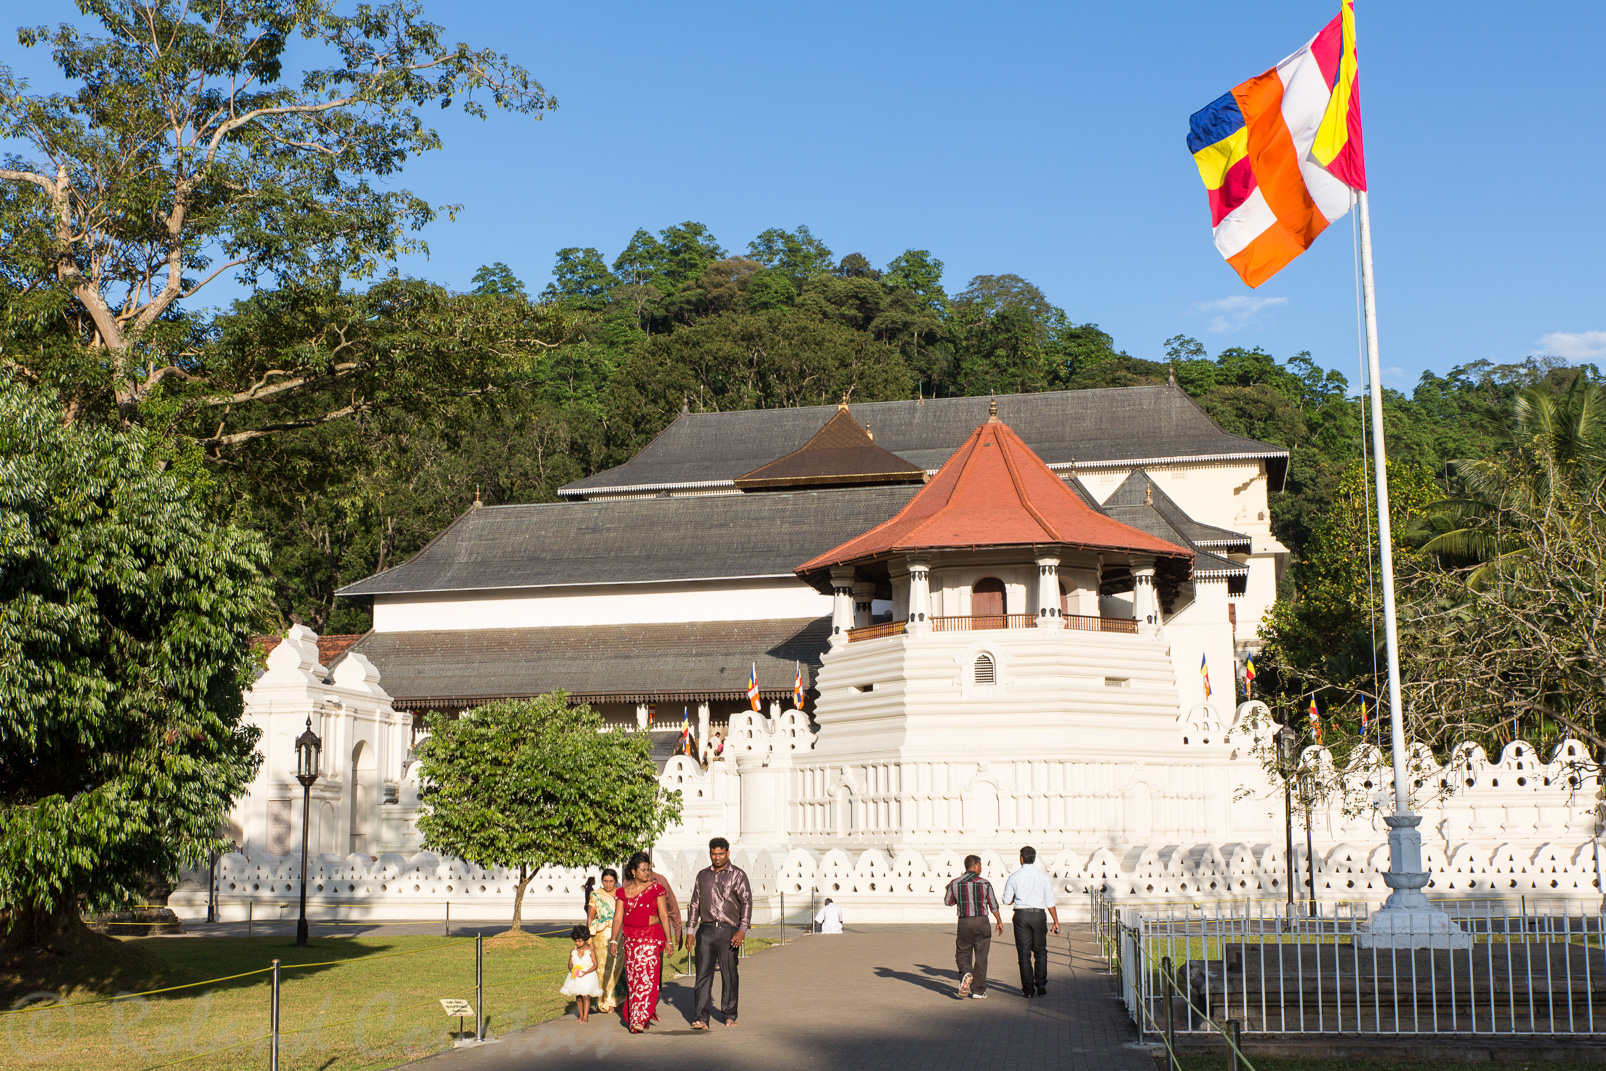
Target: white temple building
x,y
1017,622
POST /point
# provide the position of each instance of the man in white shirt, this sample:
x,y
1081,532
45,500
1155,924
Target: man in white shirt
x,y
1031,893
829,920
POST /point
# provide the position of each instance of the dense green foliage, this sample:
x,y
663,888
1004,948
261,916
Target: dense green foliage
x,y
1501,586
125,618
528,783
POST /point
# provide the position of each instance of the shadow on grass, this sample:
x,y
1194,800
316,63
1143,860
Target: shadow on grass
x,y
95,966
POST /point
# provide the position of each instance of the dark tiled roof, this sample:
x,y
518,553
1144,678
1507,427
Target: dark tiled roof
x,y
1122,424
842,452
689,661
636,540
1139,503
994,492
1139,489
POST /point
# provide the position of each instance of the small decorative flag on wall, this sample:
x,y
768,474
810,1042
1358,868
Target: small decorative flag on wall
x,y
1315,720
1363,716
752,686
1249,674
1204,671
797,687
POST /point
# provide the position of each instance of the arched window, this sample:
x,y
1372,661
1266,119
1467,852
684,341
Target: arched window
x,y
983,671
987,603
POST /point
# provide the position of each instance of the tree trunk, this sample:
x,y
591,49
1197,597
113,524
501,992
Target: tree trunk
x,y
38,929
518,900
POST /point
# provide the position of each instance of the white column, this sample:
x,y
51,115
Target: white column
x,y
641,716
1145,601
863,594
919,595
1048,594
841,603
702,725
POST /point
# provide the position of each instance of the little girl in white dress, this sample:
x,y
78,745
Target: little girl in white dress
x,y
582,983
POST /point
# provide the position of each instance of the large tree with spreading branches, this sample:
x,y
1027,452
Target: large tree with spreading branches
x,y
188,151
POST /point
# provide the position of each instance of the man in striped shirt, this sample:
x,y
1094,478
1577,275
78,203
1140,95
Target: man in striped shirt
x,y
972,896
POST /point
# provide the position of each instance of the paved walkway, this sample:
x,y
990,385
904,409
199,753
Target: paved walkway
x,y
874,999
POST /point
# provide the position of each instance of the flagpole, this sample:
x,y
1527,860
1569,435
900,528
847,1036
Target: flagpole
x,y
1407,919
1402,785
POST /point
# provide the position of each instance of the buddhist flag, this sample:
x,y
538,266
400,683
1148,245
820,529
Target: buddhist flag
x,y
1363,715
1281,152
1249,674
1315,720
685,730
1204,671
797,687
752,686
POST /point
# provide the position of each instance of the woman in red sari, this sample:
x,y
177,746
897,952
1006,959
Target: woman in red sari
x,y
642,920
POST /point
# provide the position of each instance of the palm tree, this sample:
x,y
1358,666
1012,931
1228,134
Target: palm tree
x,y
1554,455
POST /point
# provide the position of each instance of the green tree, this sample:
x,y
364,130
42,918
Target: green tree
x,y
797,255
920,273
1554,450
125,622
528,783
188,150
1327,637
497,278
580,279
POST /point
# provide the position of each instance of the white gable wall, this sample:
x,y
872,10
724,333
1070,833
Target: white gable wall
x,y
756,599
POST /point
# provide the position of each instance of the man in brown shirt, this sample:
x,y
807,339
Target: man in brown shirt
x,y
721,911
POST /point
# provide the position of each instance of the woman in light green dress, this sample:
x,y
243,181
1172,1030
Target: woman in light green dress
x,y
600,905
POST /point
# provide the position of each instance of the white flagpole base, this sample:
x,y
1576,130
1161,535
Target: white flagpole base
x,y
1408,919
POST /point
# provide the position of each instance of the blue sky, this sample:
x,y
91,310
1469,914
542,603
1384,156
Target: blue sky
x,y
1048,140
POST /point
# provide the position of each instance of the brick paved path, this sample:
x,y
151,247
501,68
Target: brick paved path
x,y
874,998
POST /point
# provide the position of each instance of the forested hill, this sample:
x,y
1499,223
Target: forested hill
x,y
514,394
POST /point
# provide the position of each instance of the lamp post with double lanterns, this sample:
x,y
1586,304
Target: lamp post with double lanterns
x,y
1287,759
309,749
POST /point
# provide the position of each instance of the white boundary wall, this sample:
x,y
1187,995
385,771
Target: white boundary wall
x,y
1516,826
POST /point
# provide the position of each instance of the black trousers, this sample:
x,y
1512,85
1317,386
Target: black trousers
x,y
971,944
714,948
1031,940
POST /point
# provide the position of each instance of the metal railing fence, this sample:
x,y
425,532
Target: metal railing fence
x,y
1524,967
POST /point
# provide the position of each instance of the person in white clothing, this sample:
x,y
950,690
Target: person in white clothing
x,y
829,920
1031,893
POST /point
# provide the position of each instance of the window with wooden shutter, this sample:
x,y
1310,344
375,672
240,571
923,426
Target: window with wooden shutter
x,y
984,669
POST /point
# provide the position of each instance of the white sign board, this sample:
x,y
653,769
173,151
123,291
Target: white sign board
x,y
454,1006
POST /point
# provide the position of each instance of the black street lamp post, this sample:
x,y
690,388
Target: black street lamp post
x,y
1307,788
1287,758
308,750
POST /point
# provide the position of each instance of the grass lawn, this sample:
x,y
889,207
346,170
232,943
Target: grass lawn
x,y
361,1002
358,1003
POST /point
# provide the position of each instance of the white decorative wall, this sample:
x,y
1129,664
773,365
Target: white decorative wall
x,y
1128,793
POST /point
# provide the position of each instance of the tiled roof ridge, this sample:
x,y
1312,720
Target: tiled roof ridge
x,y
1015,476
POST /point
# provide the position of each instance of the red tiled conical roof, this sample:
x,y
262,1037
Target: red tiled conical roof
x,y
995,492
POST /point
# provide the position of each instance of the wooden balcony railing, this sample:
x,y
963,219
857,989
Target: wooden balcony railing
x,y
979,622
1101,624
875,632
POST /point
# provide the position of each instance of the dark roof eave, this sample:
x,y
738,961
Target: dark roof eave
x,y
906,476
1180,554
